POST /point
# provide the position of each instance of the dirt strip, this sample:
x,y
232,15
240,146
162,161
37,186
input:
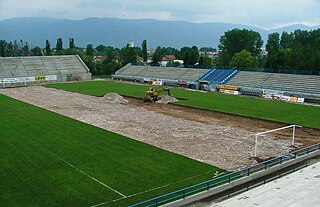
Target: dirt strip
x,y
225,141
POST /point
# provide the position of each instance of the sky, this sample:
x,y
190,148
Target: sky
x,y
267,14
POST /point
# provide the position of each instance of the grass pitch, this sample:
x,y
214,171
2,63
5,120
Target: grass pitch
x,y
50,160
289,113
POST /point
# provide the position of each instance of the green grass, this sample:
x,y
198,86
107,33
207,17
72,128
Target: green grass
x,y
38,148
289,113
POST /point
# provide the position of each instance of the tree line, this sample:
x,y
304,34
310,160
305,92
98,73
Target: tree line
x,y
297,50
239,48
112,58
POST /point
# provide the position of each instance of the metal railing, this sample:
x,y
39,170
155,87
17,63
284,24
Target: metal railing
x,y
224,179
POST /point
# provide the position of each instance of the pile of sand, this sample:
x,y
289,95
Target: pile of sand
x,y
164,99
115,98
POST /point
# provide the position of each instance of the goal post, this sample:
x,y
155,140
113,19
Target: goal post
x,y
273,130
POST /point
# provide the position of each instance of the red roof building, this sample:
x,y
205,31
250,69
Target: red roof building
x,y
169,57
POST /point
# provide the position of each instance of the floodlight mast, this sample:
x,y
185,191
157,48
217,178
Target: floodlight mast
x,y
273,130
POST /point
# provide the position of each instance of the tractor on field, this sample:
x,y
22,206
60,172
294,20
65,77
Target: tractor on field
x,y
152,95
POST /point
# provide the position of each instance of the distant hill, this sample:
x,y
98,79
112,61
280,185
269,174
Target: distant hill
x,y
118,32
293,27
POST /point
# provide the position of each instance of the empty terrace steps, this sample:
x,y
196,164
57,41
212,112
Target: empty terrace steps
x,y
230,76
123,69
33,67
207,75
250,79
161,72
216,75
170,73
290,82
277,81
193,74
12,68
40,65
131,70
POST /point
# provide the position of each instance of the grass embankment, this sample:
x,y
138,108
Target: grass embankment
x,y
289,113
48,159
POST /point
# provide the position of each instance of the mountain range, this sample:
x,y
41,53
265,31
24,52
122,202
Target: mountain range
x,y
118,32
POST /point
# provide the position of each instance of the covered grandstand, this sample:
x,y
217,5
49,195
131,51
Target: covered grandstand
x,y
38,69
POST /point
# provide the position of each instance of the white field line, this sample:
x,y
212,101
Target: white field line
x,y
129,196
100,204
86,174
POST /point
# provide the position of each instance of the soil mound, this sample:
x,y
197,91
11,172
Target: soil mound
x,y
167,99
115,98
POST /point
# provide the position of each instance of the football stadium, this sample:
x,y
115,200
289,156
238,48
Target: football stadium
x,y
68,140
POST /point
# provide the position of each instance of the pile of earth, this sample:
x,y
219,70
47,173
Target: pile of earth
x,y
164,99
115,98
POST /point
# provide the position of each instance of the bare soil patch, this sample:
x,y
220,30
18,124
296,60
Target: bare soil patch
x,y
223,140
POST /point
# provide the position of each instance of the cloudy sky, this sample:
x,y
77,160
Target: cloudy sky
x,y
262,13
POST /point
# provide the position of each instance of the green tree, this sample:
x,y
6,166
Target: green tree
x,y
138,51
101,48
201,59
144,50
36,51
111,55
189,55
284,58
243,59
236,40
26,49
157,56
47,48
89,50
194,55
71,43
3,48
110,67
205,60
128,55
207,49
273,46
299,50
59,45
70,52
286,40
89,63
10,50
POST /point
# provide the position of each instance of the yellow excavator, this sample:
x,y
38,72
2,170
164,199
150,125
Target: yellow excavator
x,y
152,95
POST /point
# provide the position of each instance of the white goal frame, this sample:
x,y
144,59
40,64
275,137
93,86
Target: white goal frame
x,y
273,130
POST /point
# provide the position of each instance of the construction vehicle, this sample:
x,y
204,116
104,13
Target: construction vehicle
x,y
152,95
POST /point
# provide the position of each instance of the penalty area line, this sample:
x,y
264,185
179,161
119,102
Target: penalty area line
x,y
89,176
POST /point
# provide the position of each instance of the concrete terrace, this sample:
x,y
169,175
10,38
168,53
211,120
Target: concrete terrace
x,y
301,188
